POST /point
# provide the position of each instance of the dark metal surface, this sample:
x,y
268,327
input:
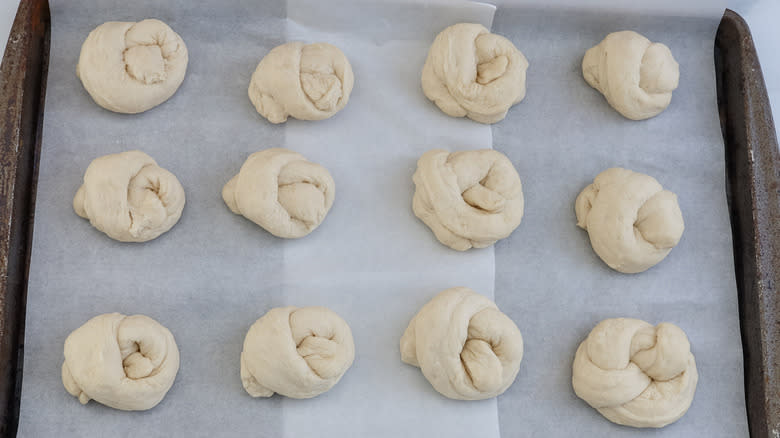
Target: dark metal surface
x,y
753,191
22,91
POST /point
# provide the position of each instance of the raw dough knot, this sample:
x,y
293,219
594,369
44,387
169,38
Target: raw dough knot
x,y
633,223
132,67
296,352
468,198
282,192
635,75
129,197
636,374
125,362
474,73
305,81
464,345
145,64
150,45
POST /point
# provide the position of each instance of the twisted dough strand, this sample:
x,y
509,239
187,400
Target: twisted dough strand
x,y
636,374
635,75
632,222
305,81
129,197
125,362
474,73
132,67
297,352
469,199
282,192
464,345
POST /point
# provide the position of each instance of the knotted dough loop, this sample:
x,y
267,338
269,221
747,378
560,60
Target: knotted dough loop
x,y
132,67
636,75
306,81
474,73
633,223
469,198
282,192
635,374
125,362
129,197
465,346
296,352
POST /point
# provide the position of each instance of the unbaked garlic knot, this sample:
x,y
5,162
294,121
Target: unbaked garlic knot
x,y
635,75
632,222
636,374
152,48
474,73
468,198
305,81
132,67
465,346
282,192
125,362
129,197
296,352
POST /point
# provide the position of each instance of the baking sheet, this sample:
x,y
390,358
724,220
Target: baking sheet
x,y
371,261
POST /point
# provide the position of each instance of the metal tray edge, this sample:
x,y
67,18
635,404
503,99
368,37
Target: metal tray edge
x,y
23,75
753,192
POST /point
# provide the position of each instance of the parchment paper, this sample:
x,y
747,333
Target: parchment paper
x,y
371,261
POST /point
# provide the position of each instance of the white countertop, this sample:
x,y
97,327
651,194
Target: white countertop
x,y
761,15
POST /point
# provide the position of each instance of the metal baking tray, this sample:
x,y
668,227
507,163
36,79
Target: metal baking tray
x,y
752,187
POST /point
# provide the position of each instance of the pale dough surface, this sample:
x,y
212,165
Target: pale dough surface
x,y
125,362
305,81
473,73
636,75
132,67
129,197
464,345
296,352
635,374
633,223
469,199
282,192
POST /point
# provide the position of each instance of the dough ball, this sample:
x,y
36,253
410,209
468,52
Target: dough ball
x,y
129,197
282,192
474,73
132,67
464,345
125,362
305,81
635,374
296,352
633,223
468,199
635,75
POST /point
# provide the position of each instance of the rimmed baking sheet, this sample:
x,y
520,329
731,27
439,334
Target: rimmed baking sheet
x,y
372,261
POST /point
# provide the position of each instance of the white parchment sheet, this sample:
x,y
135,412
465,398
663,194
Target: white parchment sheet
x,y
371,260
